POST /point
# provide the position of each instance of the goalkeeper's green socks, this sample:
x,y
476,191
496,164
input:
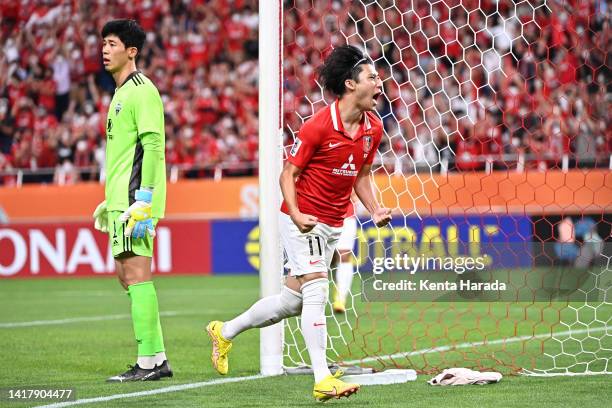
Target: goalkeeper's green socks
x,y
147,327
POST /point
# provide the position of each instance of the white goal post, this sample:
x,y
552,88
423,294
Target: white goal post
x,y
270,162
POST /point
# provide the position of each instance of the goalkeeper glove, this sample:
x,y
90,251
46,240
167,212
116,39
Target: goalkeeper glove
x,y
139,216
101,217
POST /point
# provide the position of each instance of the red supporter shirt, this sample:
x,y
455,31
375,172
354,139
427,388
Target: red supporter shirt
x,y
330,161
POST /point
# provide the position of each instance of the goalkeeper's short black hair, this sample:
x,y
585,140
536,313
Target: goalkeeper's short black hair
x,y
341,64
129,32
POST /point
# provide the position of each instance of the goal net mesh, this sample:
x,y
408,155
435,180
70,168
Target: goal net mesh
x,y
495,120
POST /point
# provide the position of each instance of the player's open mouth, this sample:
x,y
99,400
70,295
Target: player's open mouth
x,y
105,61
376,95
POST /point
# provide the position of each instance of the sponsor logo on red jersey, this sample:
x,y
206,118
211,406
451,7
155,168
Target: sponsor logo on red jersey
x,y
347,169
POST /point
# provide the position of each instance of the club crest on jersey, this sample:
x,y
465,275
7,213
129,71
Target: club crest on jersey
x,y
367,144
118,108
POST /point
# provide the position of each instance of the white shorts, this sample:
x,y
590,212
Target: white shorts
x,y
349,234
310,252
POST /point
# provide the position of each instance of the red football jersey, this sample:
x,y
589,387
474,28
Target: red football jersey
x,y
330,161
350,210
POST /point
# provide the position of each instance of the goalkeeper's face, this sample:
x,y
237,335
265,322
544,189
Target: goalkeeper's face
x,y
115,55
368,88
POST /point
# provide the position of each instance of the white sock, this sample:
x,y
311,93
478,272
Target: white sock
x,y
160,358
146,362
344,278
265,312
314,329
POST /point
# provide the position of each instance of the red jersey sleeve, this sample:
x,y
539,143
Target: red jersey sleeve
x,y
376,142
304,146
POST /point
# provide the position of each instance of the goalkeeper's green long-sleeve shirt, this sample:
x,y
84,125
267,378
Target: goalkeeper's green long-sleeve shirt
x,y
135,145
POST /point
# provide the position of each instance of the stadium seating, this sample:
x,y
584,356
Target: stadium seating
x,y
203,58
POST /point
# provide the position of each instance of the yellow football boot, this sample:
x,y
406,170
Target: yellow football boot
x,y
332,387
220,347
339,303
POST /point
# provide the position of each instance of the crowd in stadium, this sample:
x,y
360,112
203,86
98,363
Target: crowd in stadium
x,y
54,93
460,87
463,86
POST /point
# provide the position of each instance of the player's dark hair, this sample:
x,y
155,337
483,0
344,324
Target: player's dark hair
x,y
341,64
129,32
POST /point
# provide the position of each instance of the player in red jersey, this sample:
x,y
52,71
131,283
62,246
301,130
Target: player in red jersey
x,y
331,156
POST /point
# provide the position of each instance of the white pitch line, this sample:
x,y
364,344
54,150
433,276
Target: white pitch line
x,y
12,325
174,388
473,344
529,373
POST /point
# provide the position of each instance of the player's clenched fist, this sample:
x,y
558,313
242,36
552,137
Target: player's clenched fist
x,y
304,222
139,216
381,217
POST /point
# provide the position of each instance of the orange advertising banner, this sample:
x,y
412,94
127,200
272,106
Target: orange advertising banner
x,y
229,198
551,192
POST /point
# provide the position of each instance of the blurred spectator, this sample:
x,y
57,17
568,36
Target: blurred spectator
x,y
7,128
61,75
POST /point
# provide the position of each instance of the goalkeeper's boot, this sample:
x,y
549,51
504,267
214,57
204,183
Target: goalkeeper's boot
x,y
220,347
165,370
135,373
332,387
339,303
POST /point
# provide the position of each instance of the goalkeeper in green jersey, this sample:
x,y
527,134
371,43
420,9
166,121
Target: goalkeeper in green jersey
x,y
135,190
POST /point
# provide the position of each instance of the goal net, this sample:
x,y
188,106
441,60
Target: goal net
x,y
496,144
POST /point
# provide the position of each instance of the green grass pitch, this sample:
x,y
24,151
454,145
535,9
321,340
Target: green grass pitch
x,y
57,350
